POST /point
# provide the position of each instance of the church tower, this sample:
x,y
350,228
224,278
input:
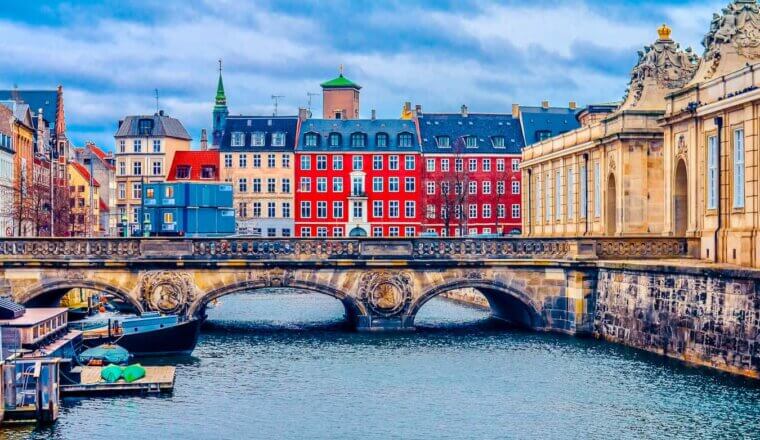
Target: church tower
x,y
340,98
220,112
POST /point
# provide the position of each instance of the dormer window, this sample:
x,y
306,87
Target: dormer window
x,y
311,139
443,141
382,140
498,141
238,139
208,172
543,135
183,172
334,139
145,126
257,139
405,140
358,140
278,139
471,142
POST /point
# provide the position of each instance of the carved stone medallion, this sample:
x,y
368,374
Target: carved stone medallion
x,y
167,292
385,293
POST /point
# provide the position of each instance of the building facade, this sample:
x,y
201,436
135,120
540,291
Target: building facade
x,y
257,158
7,176
145,148
103,169
340,98
84,201
189,209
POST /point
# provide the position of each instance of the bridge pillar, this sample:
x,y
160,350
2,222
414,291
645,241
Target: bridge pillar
x,y
380,323
387,298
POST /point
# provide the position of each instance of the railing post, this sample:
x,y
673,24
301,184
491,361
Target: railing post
x,y
582,250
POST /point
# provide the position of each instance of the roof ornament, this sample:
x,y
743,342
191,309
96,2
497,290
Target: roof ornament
x,y
664,32
340,70
737,28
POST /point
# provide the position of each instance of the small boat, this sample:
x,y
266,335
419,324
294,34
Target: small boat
x,y
104,354
150,334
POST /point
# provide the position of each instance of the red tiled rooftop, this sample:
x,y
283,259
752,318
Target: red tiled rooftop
x,y
195,160
83,171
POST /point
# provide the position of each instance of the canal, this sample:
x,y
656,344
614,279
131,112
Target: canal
x,y
280,366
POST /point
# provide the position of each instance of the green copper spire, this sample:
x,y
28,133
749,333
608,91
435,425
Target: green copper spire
x,y
221,99
220,113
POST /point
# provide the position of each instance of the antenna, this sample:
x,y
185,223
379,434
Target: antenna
x,y
311,95
157,106
276,99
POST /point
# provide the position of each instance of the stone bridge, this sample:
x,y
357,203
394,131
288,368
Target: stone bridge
x,y
542,284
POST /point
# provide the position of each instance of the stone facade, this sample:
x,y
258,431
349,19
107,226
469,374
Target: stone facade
x,y
709,319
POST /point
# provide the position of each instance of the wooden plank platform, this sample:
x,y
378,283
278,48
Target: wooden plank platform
x,y
156,380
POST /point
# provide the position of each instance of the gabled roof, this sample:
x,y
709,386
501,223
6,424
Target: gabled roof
x,y
554,120
100,154
36,99
341,82
483,126
196,160
21,112
163,126
83,172
102,205
369,127
263,124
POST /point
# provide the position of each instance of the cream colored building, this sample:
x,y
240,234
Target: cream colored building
x,y
144,151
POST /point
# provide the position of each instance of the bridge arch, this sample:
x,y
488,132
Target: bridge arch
x,y
506,302
51,291
352,306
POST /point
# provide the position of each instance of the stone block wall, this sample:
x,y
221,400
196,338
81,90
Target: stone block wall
x,y
709,318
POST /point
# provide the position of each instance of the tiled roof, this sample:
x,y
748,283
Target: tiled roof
x,y
103,206
554,120
100,155
340,82
163,126
484,127
36,99
20,111
84,173
263,124
346,127
195,160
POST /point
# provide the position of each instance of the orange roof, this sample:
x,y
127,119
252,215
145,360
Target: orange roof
x,y
101,154
195,160
83,171
103,205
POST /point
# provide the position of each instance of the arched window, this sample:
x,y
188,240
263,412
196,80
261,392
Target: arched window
x,y
334,139
382,139
405,140
358,140
312,139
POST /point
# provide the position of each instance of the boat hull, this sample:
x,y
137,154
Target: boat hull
x,y
176,340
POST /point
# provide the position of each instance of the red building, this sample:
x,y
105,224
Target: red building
x,y
358,178
195,166
471,180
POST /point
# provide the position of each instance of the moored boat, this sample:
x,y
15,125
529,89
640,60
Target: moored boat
x,y
150,334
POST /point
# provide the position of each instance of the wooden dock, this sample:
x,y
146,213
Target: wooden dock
x,y
156,380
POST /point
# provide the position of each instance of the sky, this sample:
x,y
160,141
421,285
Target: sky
x,y
111,55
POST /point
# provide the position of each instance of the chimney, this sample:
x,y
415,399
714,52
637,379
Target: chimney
x,y
204,140
515,111
418,110
304,113
40,143
573,105
374,114
464,111
545,105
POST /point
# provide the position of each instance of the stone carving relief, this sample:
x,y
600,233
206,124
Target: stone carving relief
x,y
738,26
386,293
276,278
166,292
681,146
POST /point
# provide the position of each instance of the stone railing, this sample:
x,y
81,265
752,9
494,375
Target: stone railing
x,y
26,250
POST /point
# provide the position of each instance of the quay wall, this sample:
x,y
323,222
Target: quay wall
x,y
469,297
708,317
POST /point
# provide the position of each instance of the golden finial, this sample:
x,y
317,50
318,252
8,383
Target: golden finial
x,y
664,32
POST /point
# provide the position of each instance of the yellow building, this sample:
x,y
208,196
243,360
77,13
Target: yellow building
x,y
144,151
84,201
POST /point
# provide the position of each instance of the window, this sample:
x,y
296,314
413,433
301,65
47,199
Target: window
x,y
158,169
358,163
243,160
242,184
271,211
382,140
393,209
242,210
458,165
285,212
285,184
358,140
486,210
473,165
256,185
409,184
337,210
122,191
136,190
377,162
377,208
445,165
471,142
515,164
321,232
306,209
539,198
271,232
409,163
183,172
558,195
377,231
358,209
498,141
500,210
500,165
305,184
712,172
271,161
405,140
486,187
377,184
311,139
443,141
570,194
228,160
515,211
430,188
515,187
321,163
430,165
286,232
357,186
597,190
257,139
487,165
543,135
739,168
169,192
393,163
137,168
334,139
393,184
430,212
337,163
473,211
473,188
337,184
122,146
409,231
410,210
338,231
122,168
458,188
500,187
584,199
271,184
137,146
306,232
305,163
156,145
168,217
321,184
278,139
444,188
238,139
321,209
257,161
393,231
547,184
285,162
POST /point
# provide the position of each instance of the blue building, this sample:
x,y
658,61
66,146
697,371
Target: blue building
x,y
189,209
544,122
